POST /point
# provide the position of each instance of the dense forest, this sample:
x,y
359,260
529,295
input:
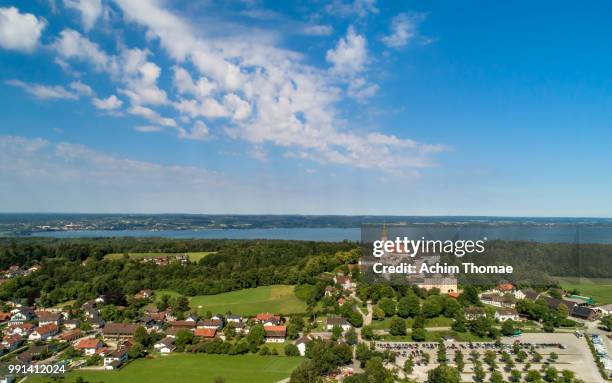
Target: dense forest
x,y
75,269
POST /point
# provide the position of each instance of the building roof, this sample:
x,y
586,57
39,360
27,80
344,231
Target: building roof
x,y
120,328
337,321
46,329
46,316
304,339
275,331
89,343
505,287
167,341
69,335
582,312
210,322
182,323
205,332
504,311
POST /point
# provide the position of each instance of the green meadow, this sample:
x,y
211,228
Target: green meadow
x,y
192,368
600,289
278,299
193,256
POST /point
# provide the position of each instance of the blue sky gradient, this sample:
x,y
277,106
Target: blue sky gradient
x,y
341,107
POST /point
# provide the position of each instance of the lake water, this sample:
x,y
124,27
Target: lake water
x,y
545,234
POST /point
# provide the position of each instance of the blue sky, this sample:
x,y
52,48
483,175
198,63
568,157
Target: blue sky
x,y
341,107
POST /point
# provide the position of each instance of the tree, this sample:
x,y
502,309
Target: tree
x,y
553,357
291,350
515,376
367,332
387,305
443,374
426,358
376,371
307,372
256,335
459,360
409,365
136,351
568,376
142,336
607,322
351,337
397,326
507,328
336,332
419,334
496,377
562,311
409,306
378,313
183,338
551,374
469,296
533,376
441,353
479,374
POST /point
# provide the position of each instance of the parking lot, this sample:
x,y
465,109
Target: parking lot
x,y
573,354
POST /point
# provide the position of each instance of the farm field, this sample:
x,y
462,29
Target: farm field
x,y
192,368
193,256
277,299
600,289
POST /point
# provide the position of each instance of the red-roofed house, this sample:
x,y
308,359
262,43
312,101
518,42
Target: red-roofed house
x,y
206,333
89,346
44,332
268,319
453,294
11,342
275,334
345,281
505,288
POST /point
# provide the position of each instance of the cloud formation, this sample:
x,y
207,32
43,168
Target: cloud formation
x,y
20,31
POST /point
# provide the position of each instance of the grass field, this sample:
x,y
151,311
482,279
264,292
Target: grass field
x,y
278,299
193,256
600,289
192,368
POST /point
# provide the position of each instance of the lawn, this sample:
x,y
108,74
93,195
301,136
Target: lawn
x,y
193,256
192,368
278,299
600,289
432,322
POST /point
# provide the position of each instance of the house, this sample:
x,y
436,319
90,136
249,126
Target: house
x,y
119,330
605,309
444,284
233,319
12,342
22,315
472,313
20,329
217,324
171,331
69,336
4,316
146,320
188,325
7,379
583,312
116,358
341,301
48,317
554,303
99,299
301,344
453,294
526,294
330,291
504,314
275,334
89,346
241,327
143,294
268,319
506,301
72,324
504,288
345,282
44,332
206,333
337,321
194,318
165,346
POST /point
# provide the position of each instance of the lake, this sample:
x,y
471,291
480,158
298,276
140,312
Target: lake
x,y
541,233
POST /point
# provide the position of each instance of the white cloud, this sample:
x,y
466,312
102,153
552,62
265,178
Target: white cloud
x,y
44,92
147,128
109,103
185,84
403,29
199,131
72,45
258,153
19,31
90,10
82,89
359,8
317,30
361,90
350,54
151,115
